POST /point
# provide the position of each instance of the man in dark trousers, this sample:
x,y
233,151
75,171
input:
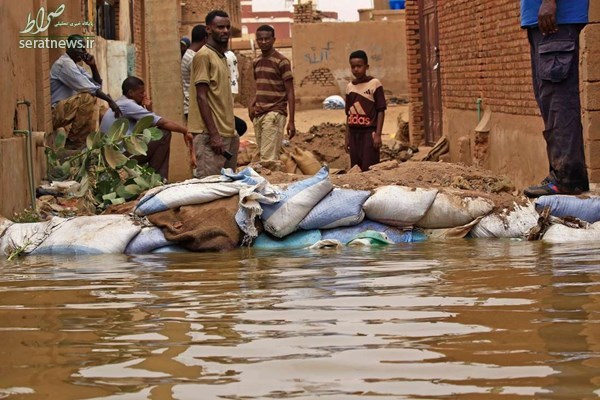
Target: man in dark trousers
x,y
553,28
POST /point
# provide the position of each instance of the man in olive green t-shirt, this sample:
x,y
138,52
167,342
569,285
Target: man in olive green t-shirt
x,y
211,118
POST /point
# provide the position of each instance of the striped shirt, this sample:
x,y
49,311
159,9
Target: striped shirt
x,y
270,72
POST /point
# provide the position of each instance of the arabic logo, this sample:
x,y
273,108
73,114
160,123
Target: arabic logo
x,y
41,22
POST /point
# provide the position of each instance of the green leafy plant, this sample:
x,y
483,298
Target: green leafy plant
x,y
106,173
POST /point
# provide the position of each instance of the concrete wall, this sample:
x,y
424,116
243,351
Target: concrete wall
x,y
320,57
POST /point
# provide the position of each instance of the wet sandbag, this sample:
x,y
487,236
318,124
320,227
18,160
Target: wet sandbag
x,y
341,207
457,232
296,240
5,223
585,208
202,227
508,224
26,237
149,239
399,205
189,192
347,233
282,218
306,161
450,209
98,234
559,233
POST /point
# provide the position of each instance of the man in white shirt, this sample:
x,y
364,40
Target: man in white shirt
x,y
199,37
240,125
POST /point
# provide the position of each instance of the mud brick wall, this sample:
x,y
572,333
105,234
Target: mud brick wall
x,y
320,77
413,65
306,13
138,38
484,54
193,13
590,99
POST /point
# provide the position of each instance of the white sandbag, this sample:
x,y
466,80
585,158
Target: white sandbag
x,y
149,239
559,233
27,237
98,234
449,209
282,218
507,224
584,208
189,192
341,207
5,223
399,205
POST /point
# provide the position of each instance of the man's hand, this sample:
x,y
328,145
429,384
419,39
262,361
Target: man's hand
x,y
376,140
251,112
89,59
216,143
189,142
113,106
291,129
547,17
147,103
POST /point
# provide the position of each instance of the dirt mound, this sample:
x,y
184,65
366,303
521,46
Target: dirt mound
x,y
326,142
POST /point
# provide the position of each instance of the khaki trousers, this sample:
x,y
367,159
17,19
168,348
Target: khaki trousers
x,y
207,162
268,129
81,113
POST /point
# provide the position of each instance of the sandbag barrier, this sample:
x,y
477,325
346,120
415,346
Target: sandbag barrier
x,y
232,209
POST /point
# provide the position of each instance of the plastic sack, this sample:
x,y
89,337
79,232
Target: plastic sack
x,y
149,239
347,233
296,240
399,205
449,210
559,233
334,102
508,224
370,238
584,208
282,218
341,207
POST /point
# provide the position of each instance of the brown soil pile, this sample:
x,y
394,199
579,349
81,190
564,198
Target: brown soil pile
x,y
326,141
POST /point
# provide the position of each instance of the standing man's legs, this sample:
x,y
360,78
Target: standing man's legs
x,y
268,129
207,162
555,70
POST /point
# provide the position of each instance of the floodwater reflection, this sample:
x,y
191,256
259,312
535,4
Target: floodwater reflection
x,y
463,319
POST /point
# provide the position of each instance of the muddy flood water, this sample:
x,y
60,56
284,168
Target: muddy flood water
x,y
469,319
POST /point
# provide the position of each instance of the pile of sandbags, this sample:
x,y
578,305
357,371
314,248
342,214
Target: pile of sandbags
x,y
233,209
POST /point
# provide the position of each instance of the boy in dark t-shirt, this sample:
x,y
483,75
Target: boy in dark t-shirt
x,y
365,110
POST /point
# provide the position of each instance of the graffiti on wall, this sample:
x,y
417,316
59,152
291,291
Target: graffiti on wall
x,y
317,56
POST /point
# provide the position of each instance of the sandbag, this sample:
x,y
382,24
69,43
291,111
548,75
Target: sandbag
x,y
457,232
27,236
170,249
507,224
347,233
282,218
191,191
5,223
341,207
559,233
584,208
98,234
202,227
307,162
296,240
149,239
449,209
399,205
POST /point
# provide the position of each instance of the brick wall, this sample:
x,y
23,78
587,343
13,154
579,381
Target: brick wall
x,y
306,13
590,99
413,61
138,38
193,13
485,54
